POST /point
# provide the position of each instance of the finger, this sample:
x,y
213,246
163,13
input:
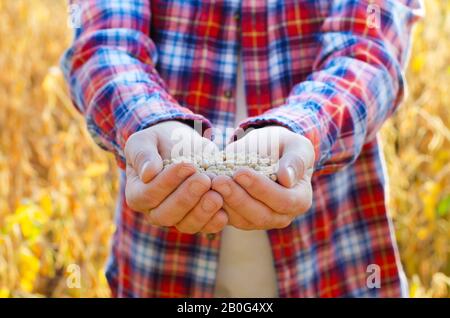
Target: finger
x,y
236,220
142,197
199,216
181,201
276,197
297,158
290,169
252,210
217,223
141,153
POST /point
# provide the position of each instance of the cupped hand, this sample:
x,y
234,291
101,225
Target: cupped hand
x,y
255,202
178,195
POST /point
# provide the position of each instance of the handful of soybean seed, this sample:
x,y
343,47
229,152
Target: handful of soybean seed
x,y
226,164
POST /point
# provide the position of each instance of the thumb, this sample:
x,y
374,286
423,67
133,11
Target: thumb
x,y
296,161
141,153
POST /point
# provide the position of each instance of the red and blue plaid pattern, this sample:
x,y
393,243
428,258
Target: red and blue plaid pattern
x,y
314,66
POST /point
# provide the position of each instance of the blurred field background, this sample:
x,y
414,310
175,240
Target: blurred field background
x,y
57,189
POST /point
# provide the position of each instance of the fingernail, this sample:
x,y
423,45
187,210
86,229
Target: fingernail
x,y
144,167
291,174
184,172
224,189
244,180
208,205
197,188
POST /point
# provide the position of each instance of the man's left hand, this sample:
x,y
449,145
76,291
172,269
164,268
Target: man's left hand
x,y
255,202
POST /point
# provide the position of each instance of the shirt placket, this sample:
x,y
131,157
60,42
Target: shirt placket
x,y
255,56
228,91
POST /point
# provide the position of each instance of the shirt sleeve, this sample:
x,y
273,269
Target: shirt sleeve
x,y
357,80
110,68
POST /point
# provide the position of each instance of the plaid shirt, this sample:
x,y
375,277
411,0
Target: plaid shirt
x,y
330,70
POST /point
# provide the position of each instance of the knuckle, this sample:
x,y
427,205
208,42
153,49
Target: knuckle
x,y
164,221
183,201
138,197
168,183
196,218
260,188
238,200
152,201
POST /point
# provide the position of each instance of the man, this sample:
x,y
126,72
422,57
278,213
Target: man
x,y
322,76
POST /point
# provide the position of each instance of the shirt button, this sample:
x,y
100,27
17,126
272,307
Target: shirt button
x,y
228,94
237,19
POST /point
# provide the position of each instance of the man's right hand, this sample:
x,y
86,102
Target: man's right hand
x,y
178,195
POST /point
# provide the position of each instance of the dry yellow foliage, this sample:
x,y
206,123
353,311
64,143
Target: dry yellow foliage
x,y
57,189
417,147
